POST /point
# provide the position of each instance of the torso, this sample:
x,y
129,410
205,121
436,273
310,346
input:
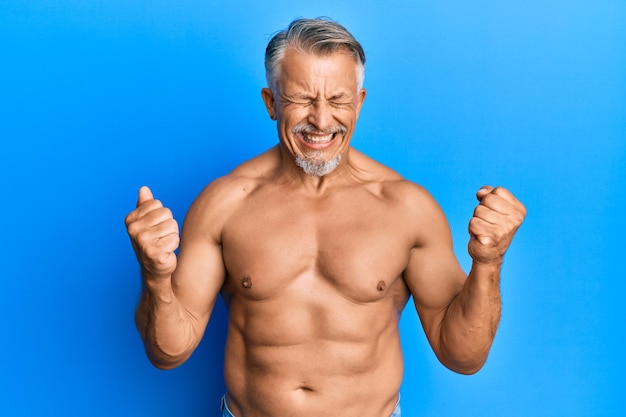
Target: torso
x,y
314,289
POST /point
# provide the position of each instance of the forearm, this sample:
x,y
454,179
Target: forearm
x,y
165,327
469,324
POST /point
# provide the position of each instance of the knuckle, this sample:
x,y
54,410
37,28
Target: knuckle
x,y
481,210
161,214
502,192
523,210
487,199
133,229
144,240
153,254
167,212
161,259
150,206
474,225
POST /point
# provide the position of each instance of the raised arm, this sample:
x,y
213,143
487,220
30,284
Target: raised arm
x,y
178,294
460,313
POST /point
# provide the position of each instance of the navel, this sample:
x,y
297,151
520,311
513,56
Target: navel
x,y
246,282
381,286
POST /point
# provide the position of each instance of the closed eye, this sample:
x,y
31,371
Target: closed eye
x,y
339,100
301,101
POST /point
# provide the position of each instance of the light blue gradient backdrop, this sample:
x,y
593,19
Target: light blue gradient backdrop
x,y
98,98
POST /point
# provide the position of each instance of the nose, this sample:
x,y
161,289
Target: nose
x,y
320,115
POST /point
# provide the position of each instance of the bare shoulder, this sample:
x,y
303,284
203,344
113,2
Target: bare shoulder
x,y
422,213
223,196
393,186
413,205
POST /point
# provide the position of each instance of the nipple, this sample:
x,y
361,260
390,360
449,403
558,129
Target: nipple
x,y
381,286
246,282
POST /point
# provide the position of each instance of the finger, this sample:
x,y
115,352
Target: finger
x,y
509,197
145,195
484,191
157,216
478,226
481,231
159,256
142,220
512,200
487,214
505,195
142,210
484,240
155,236
162,246
502,201
496,203
164,228
169,243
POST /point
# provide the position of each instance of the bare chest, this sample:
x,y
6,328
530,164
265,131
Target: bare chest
x,y
356,247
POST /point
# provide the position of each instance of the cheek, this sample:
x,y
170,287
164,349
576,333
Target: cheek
x,y
294,119
292,115
347,118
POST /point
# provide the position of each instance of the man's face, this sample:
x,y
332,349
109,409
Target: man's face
x,y
317,103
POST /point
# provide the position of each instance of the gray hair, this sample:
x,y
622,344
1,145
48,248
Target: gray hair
x,y
320,37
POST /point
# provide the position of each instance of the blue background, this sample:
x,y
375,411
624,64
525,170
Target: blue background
x,y
98,98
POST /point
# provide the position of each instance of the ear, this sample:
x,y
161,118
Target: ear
x,y
360,100
270,103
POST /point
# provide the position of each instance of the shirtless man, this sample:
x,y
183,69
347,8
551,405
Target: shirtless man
x,y
316,249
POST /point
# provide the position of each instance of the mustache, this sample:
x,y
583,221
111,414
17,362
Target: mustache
x,y
308,128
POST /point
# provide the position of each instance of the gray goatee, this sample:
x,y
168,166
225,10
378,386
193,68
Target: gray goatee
x,y
313,163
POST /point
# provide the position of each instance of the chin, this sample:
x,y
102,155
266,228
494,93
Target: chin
x,y
317,168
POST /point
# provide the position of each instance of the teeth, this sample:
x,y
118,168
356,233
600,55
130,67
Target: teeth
x,y
318,139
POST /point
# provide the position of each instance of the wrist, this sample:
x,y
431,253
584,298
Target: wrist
x,y
488,263
160,286
488,267
154,277
486,275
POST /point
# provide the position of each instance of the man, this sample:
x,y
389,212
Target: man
x,y
316,249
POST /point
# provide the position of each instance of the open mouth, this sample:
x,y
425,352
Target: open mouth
x,y
317,139
313,136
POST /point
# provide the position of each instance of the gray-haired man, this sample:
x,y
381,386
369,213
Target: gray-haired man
x,y
316,249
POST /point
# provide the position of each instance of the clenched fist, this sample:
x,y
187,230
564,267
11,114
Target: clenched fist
x,y
496,219
154,235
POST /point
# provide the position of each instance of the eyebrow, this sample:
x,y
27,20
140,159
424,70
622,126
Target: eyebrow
x,y
300,96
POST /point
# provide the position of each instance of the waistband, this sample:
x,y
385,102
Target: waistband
x,y
397,412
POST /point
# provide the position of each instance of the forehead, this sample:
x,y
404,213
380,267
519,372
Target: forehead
x,y
338,69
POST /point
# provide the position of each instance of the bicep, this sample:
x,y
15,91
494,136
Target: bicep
x,y
199,278
200,272
433,274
